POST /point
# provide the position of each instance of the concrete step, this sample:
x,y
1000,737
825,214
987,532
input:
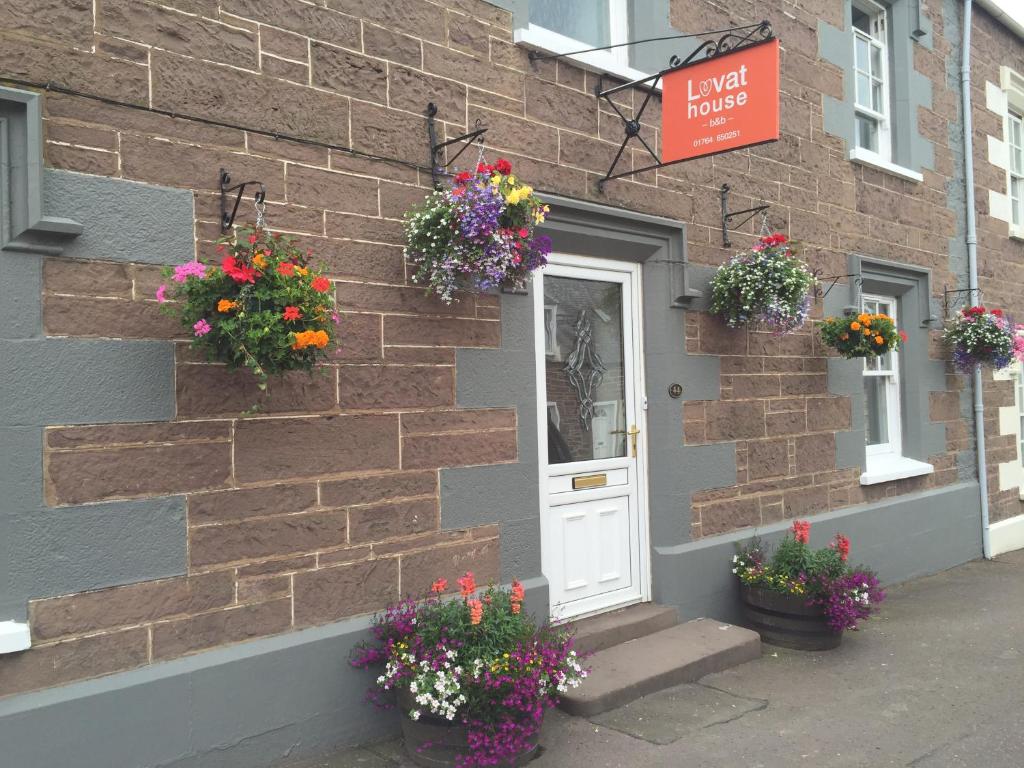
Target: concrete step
x,y
608,629
681,654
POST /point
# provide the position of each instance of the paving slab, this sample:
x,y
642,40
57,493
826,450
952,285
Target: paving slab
x,y
667,716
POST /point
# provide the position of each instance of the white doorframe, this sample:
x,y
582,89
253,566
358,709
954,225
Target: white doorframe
x,y
564,265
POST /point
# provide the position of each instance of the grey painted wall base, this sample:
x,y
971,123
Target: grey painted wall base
x,y
250,705
902,538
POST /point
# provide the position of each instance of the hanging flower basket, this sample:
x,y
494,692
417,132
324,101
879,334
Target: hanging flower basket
x,y
478,233
987,337
473,676
862,335
765,287
262,308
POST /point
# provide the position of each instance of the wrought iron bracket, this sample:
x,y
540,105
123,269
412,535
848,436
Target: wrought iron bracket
x,y
956,298
227,218
438,167
708,49
728,216
831,281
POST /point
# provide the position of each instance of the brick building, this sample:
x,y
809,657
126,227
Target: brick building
x,y
163,552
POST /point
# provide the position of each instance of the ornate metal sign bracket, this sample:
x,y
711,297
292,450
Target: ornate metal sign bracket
x,y
832,280
438,167
227,218
728,216
954,299
728,43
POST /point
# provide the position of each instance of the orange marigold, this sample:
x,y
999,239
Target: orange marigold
x,y
879,340
854,326
226,305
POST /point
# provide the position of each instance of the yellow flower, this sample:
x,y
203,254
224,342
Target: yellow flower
x,y
301,271
526,190
513,197
495,180
259,261
512,180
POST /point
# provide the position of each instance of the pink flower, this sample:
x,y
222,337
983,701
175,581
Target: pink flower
x,y
183,272
335,318
802,531
161,294
202,327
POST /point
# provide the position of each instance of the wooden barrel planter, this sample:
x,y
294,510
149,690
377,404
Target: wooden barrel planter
x,y
434,742
787,620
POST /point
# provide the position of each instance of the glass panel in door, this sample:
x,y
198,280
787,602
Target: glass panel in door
x,y
585,370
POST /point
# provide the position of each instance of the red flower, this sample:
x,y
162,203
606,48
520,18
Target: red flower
x,y
321,284
518,593
997,312
972,311
503,166
524,232
903,336
292,313
802,531
286,268
458,191
775,239
439,586
481,168
237,271
252,239
467,584
463,177
842,544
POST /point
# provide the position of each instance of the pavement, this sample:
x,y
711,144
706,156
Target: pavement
x,y
935,681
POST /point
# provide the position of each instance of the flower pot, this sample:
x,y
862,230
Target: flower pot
x,y
787,620
434,742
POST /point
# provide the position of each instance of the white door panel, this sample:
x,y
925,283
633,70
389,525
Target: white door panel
x,y
593,484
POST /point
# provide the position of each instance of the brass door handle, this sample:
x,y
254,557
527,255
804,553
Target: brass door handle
x,y
633,431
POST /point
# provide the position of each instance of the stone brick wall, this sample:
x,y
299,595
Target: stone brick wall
x,y
1000,258
325,504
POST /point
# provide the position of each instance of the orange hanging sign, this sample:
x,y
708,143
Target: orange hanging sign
x,y
719,104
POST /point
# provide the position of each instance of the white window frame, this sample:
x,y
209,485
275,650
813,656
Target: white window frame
x,y
894,446
878,39
614,61
1018,400
1012,85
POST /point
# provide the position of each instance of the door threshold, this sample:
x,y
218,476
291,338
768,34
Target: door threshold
x,y
598,612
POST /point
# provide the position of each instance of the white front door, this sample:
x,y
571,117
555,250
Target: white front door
x,y
591,428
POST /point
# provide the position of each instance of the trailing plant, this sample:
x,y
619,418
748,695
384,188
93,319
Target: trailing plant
x,y
481,230
478,660
822,577
765,286
980,336
263,308
862,335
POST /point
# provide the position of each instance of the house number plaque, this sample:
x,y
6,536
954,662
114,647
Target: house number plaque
x,y
675,391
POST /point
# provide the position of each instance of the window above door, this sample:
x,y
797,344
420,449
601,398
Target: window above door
x,y
565,26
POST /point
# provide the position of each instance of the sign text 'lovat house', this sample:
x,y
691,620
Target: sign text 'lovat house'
x,y
723,103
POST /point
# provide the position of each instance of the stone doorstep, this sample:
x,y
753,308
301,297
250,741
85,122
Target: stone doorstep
x,y
616,627
681,654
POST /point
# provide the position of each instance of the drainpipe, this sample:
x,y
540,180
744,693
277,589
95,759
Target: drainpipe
x,y
972,277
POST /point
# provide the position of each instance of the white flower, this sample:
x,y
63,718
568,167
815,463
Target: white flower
x,y
415,714
412,687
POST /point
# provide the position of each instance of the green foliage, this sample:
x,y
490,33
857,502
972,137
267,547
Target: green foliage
x,y
263,308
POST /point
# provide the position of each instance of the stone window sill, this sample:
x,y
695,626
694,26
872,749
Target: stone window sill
x,y
1016,232
600,61
14,637
869,158
885,468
